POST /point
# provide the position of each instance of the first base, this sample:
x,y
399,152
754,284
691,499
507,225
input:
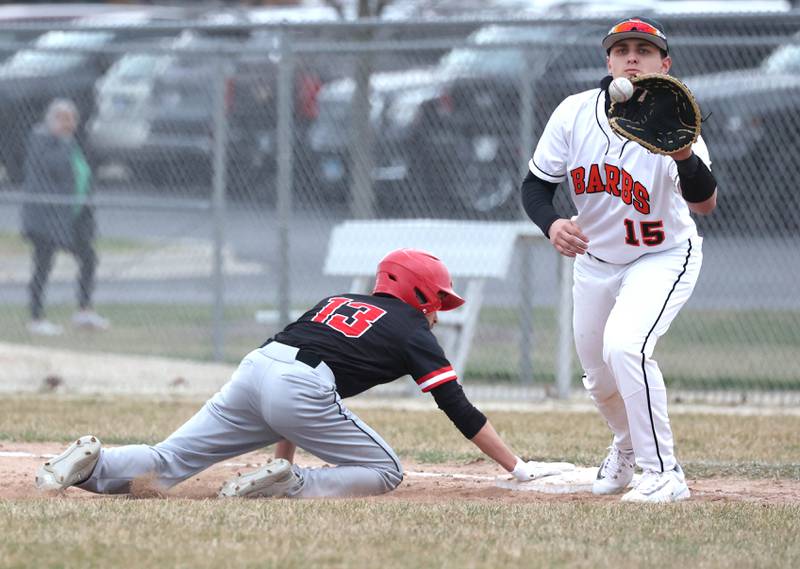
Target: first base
x,y
570,482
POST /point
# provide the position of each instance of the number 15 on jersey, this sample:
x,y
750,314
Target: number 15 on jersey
x,y
651,233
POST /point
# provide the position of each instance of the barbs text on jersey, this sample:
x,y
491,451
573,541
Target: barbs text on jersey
x,y
618,183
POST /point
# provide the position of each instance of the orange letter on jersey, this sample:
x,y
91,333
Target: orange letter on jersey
x,y
595,181
577,180
627,187
641,199
612,179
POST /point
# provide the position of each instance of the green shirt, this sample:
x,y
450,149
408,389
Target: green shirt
x,y
83,177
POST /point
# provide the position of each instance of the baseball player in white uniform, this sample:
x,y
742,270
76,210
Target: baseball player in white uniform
x,y
637,258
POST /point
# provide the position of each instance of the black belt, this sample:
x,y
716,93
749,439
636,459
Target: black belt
x,y
304,356
309,358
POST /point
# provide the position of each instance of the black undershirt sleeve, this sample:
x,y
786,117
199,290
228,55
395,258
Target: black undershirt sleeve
x,y
697,181
537,199
451,399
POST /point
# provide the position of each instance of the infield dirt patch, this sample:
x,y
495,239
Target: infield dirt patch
x,y
423,483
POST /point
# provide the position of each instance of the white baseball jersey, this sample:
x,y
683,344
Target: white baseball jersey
x,y
628,198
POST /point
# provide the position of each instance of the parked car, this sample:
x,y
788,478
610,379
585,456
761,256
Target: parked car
x,y
752,133
123,96
448,137
11,40
169,140
31,78
178,148
57,64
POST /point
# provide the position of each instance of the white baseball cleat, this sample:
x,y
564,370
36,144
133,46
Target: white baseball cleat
x,y
90,320
43,327
275,479
71,467
659,487
615,472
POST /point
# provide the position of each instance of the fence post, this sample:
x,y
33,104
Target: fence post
x,y
362,190
526,118
564,365
526,246
219,164
526,346
284,181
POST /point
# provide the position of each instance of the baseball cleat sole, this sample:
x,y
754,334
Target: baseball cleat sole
x,y
71,467
274,479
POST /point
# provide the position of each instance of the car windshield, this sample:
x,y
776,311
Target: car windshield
x,y
505,60
785,59
203,45
483,61
134,67
36,61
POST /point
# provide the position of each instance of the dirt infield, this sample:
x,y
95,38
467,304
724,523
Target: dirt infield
x,y
423,483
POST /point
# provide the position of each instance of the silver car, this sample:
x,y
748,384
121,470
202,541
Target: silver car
x,y
123,96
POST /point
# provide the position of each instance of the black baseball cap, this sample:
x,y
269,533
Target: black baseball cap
x,y
638,28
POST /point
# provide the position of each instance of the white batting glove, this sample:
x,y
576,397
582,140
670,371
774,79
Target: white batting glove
x,y
531,470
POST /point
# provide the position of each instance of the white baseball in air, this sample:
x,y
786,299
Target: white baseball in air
x,y
620,90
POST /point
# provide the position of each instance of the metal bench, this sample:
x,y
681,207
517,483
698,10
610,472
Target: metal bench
x,y
473,252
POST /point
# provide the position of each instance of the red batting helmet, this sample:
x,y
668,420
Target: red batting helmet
x,y
417,278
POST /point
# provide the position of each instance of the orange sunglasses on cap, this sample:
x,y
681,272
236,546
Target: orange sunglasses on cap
x,y
635,28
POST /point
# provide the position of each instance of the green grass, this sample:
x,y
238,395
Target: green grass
x,y
760,446
388,533
169,330
703,349
12,244
365,534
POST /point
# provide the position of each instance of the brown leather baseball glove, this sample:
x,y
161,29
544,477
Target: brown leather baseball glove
x,y
662,114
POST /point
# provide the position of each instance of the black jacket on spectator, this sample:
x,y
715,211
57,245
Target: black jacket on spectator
x,y
48,170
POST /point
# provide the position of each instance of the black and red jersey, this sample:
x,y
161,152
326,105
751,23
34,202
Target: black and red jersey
x,y
368,340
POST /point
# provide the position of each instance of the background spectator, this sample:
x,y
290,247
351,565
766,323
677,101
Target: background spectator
x,y
55,167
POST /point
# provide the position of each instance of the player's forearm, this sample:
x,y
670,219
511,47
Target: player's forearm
x,y
285,449
537,199
704,207
698,185
493,446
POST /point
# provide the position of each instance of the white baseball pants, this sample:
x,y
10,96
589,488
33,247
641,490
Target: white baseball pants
x,y
620,312
270,397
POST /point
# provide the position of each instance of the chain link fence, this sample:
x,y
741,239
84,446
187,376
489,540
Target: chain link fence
x,y
224,157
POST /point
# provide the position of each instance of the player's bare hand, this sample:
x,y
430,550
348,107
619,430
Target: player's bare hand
x,y
525,471
567,238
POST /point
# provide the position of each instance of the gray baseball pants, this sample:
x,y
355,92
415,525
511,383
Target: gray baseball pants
x,y
270,397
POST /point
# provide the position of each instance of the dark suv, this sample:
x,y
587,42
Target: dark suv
x,y
31,78
56,64
753,139
449,137
173,144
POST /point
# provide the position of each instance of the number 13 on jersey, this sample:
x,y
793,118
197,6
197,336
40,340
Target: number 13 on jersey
x,y
354,325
